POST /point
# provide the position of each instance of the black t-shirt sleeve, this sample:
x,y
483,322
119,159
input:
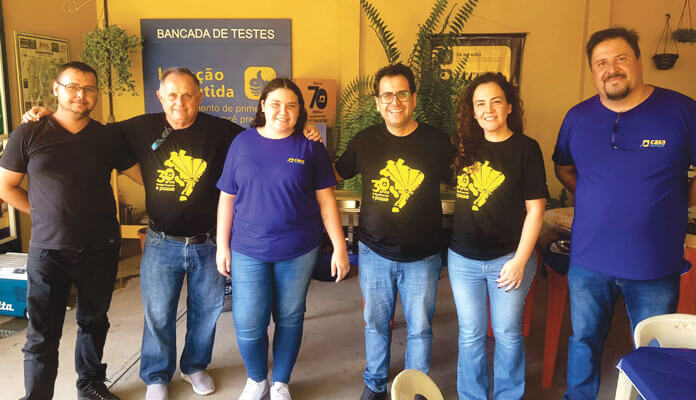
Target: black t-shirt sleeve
x,y
447,159
15,157
123,155
346,166
534,174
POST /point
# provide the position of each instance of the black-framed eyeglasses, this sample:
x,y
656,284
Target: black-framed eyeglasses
x,y
614,129
163,136
388,97
75,89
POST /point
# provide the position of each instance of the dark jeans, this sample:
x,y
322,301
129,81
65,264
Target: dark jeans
x,y
50,274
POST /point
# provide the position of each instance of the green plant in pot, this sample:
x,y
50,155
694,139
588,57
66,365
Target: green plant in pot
x,y
685,35
108,51
437,100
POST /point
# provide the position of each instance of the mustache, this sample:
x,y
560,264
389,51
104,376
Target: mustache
x,y
616,75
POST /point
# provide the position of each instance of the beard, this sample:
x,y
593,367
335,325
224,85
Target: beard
x,y
616,93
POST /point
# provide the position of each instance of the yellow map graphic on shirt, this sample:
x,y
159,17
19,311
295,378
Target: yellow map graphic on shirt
x,y
183,171
399,181
479,180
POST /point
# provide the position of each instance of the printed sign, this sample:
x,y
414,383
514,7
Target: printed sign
x,y
320,99
233,59
38,58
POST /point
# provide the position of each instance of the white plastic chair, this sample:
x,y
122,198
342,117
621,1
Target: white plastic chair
x,y
670,330
412,382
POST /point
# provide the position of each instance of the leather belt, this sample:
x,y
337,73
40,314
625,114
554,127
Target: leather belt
x,y
197,239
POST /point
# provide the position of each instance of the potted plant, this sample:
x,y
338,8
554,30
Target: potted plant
x,y
685,35
436,96
108,51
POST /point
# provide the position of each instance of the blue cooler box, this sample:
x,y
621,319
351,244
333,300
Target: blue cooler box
x,y
13,284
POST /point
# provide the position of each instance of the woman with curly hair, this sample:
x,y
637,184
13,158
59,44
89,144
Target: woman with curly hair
x,y
501,195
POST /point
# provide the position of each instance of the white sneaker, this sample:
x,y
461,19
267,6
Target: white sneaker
x,y
156,392
254,390
280,391
201,381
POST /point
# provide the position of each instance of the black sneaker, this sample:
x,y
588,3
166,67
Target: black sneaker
x,y
95,390
368,394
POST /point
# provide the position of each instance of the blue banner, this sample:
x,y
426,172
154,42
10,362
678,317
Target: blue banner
x,y
233,59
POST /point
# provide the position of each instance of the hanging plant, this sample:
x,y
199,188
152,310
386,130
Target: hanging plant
x,y
108,50
436,96
685,35
665,60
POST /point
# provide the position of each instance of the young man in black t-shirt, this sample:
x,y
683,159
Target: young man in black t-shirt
x,y
75,236
402,164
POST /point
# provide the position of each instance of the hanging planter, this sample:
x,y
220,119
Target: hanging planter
x,y
685,35
665,60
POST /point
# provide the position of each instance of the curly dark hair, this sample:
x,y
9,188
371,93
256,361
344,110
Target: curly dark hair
x,y
277,83
469,135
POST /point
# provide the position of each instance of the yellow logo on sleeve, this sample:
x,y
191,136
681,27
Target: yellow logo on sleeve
x,y
399,181
479,180
183,170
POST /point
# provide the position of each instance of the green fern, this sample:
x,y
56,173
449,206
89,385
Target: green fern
x,y
385,36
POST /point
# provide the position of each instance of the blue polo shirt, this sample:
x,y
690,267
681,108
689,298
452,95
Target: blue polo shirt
x,y
631,195
276,214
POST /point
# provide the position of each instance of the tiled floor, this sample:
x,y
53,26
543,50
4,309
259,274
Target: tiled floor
x,y
331,359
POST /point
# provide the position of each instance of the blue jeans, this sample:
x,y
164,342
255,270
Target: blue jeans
x,y
380,280
473,284
592,299
164,266
261,289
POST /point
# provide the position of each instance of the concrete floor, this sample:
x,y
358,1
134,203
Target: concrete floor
x,y
331,359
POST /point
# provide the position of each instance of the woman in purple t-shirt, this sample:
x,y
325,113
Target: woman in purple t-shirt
x,y
277,187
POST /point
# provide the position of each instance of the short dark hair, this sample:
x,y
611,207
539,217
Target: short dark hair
x,y
395,70
78,65
279,83
179,71
629,35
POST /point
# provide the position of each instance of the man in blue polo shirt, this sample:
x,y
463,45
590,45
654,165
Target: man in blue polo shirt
x,y
625,153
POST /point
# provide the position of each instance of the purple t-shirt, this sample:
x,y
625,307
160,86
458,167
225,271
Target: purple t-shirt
x,y
276,214
631,199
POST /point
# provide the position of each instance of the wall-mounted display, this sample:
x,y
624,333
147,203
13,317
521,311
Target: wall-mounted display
x,y
500,52
37,60
232,58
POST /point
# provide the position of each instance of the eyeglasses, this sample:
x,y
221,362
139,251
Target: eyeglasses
x,y
75,89
615,146
388,97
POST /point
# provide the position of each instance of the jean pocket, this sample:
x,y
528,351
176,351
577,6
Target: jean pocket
x,y
152,239
44,254
362,249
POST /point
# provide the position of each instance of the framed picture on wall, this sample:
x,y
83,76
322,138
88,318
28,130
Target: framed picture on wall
x,y
37,60
493,52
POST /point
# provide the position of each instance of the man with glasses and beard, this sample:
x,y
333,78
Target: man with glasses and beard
x,y
625,154
75,236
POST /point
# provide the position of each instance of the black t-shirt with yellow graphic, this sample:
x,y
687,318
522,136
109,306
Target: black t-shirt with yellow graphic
x,y
490,207
401,212
180,175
